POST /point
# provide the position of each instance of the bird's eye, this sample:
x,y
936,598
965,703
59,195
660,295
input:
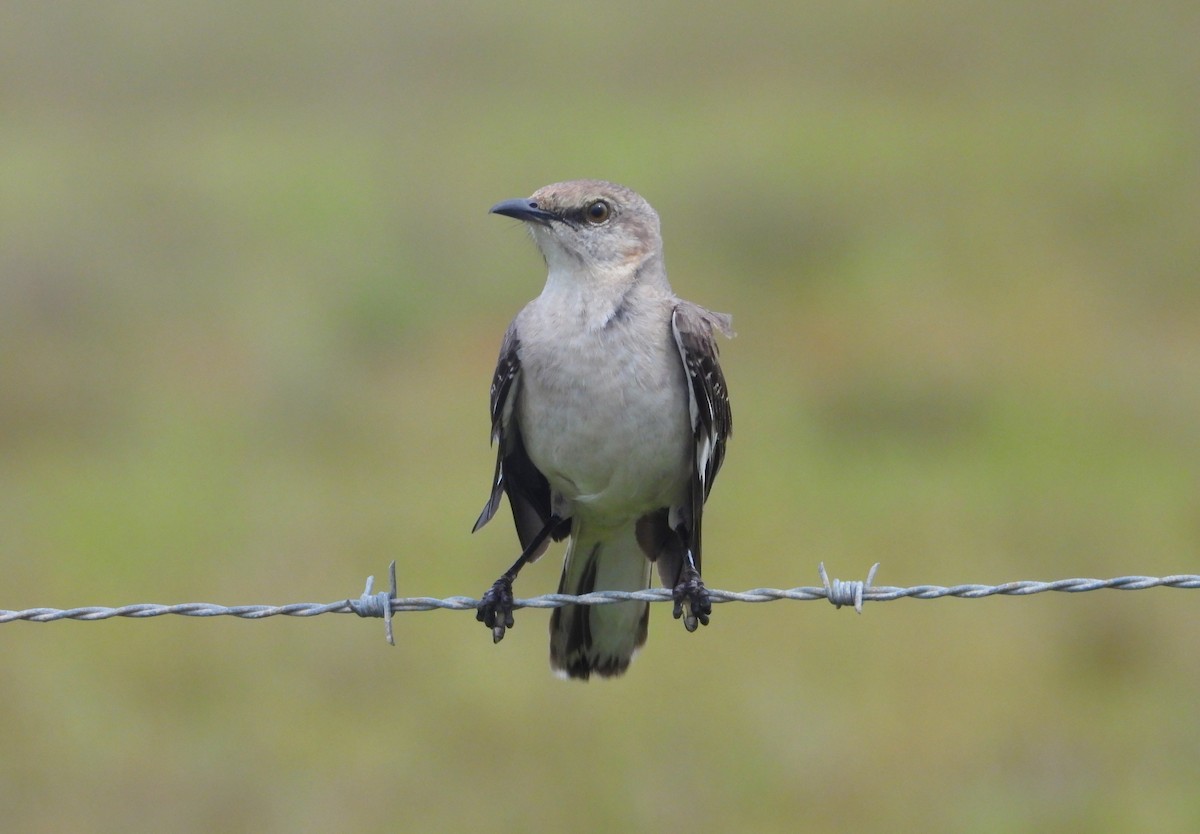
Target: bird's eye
x,y
597,212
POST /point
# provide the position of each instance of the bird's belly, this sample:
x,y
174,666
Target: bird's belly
x,y
611,451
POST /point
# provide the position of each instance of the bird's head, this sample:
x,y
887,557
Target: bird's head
x,y
591,223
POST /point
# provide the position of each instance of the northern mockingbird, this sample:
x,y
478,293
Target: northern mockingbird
x,y
611,415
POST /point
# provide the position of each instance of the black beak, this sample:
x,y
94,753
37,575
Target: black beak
x,y
525,209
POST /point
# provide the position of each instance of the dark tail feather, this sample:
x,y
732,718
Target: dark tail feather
x,y
600,639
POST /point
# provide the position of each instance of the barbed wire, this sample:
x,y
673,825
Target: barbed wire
x,y
386,603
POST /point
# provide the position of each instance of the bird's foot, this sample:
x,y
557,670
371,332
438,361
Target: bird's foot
x,y
692,602
496,608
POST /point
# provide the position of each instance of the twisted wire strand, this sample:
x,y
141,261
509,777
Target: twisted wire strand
x,y
386,603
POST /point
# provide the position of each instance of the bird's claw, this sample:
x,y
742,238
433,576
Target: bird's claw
x,y
496,608
692,602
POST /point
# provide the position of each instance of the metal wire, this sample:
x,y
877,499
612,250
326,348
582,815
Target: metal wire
x,y
386,603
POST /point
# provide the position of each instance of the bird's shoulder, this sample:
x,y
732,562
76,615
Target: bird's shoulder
x,y
698,322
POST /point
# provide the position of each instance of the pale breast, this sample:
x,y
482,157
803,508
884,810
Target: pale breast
x,y
604,416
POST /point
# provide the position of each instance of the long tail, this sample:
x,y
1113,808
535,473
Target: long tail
x,y
600,639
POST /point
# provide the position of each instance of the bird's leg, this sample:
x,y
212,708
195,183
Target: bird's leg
x,y
496,606
690,595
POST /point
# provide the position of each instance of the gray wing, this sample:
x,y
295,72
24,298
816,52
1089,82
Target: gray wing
x,y
527,488
708,404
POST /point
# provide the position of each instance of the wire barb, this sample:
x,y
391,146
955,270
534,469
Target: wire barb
x,y
378,605
847,593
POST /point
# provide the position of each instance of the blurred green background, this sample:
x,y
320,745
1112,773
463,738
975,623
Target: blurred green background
x,y
250,298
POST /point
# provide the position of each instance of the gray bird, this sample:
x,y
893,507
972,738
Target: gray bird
x,y
610,414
